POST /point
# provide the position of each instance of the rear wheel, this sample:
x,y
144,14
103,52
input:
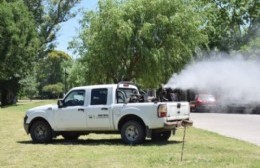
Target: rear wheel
x,y
133,132
161,136
41,132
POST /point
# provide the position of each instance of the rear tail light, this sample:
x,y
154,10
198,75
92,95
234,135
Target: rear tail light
x,y
162,110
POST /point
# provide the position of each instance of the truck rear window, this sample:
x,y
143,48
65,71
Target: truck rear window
x,y
129,91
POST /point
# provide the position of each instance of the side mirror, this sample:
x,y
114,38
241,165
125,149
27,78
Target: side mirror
x,y
60,103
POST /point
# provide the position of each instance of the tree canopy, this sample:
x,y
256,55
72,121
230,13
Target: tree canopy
x,y
231,24
18,46
18,40
137,40
28,30
51,69
48,14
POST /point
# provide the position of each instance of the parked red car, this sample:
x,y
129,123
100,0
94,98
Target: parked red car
x,y
203,102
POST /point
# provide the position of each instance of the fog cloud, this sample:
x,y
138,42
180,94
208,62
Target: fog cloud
x,y
230,79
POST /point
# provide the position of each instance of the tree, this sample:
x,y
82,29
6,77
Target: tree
x,y
48,14
18,47
231,24
76,74
252,49
54,90
51,69
28,30
29,87
137,40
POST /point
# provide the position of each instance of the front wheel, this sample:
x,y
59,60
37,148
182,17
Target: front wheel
x,y
41,132
161,136
133,132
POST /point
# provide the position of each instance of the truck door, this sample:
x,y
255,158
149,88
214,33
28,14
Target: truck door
x,y
72,115
99,111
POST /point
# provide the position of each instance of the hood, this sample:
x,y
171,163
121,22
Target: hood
x,y
43,108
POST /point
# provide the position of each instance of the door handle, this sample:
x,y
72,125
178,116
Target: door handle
x,y
80,109
104,108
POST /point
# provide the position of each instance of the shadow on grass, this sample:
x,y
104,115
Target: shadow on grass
x,y
95,142
7,106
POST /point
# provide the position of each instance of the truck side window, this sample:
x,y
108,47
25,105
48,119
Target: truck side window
x,y
75,98
99,97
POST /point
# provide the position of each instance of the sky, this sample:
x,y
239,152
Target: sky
x,y
70,28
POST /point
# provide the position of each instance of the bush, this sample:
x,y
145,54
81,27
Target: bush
x,y
54,90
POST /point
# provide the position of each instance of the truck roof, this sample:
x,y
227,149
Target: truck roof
x,y
106,86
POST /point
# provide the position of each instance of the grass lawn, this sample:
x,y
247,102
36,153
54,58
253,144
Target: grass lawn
x,y
202,149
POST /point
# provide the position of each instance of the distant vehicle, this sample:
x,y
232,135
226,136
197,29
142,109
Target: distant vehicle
x,y
203,102
239,106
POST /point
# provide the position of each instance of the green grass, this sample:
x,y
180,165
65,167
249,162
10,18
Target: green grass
x,y
202,149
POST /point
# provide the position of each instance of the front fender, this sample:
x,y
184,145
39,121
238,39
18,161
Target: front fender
x,y
38,115
32,116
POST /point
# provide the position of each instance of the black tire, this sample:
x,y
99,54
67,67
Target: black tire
x,y
70,136
161,136
41,132
133,132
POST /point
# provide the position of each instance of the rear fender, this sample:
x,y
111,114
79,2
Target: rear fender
x,y
134,112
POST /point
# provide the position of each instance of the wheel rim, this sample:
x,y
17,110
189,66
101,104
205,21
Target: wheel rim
x,y
131,133
40,132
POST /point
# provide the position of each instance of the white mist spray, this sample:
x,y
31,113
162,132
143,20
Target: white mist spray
x,y
230,79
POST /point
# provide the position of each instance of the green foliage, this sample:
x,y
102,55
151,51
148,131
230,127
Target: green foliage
x,y
231,24
48,14
55,90
18,40
76,74
18,47
29,87
136,40
52,68
252,50
28,29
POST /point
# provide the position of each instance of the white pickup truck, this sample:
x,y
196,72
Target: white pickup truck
x,y
105,109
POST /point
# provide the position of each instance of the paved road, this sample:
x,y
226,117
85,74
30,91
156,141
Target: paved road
x,y
240,126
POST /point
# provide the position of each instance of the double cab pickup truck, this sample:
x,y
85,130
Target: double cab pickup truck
x,y
105,109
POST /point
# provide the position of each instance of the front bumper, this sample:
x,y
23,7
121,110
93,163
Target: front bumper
x,y
26,128
25,125
179,123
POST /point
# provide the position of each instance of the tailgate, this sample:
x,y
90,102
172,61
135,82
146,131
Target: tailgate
x,y
178,110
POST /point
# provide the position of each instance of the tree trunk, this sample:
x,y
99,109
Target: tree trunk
x,y
9,90
7,97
